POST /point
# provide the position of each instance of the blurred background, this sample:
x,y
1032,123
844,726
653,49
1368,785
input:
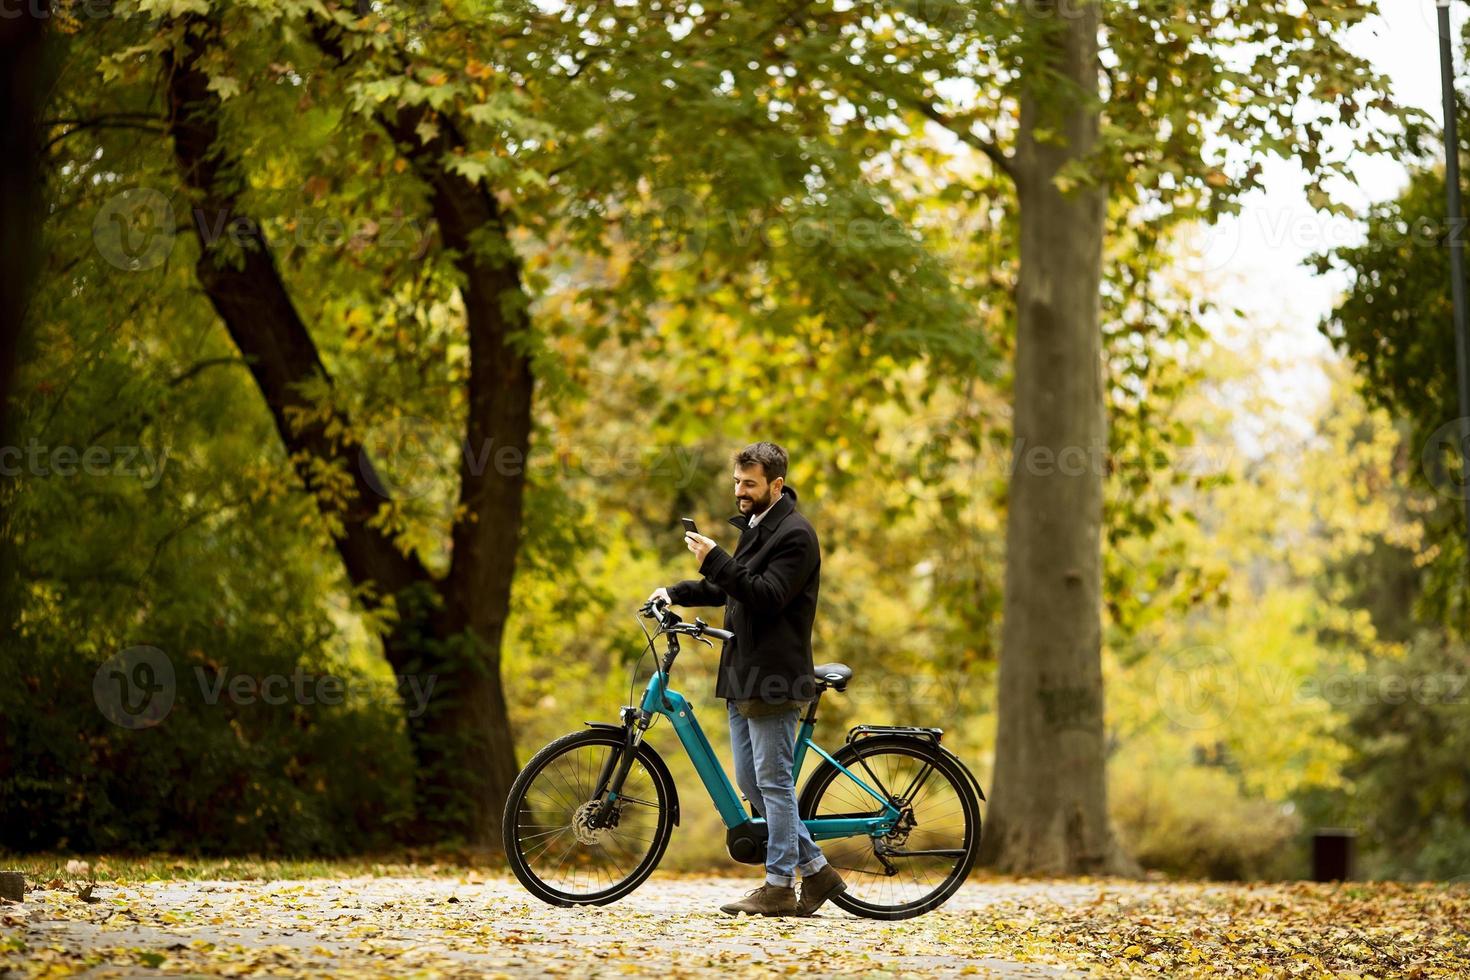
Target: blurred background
x,y
361,362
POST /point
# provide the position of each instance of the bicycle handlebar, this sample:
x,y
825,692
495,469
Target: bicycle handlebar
x,y
670,622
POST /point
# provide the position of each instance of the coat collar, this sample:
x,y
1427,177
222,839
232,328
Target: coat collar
x,y
778,513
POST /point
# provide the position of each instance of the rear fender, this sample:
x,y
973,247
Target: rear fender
x,y
929,737
932,735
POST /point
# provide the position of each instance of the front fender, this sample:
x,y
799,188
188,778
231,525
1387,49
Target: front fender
x,y
650,757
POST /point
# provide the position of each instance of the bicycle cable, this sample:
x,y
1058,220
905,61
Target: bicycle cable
x,y
650,648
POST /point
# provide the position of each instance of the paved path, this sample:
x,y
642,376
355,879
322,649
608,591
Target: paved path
x,y
449,923
403,926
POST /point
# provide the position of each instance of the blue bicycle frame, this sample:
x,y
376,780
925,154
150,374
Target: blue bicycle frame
x,y
659,699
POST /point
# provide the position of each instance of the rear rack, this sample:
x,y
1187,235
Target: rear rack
x,y
858,731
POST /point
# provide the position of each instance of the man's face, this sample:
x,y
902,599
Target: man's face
x,y
753,492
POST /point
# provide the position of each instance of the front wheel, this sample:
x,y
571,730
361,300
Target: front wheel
x,y
928,855
553,848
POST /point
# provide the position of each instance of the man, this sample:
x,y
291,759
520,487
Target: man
x,y
769,591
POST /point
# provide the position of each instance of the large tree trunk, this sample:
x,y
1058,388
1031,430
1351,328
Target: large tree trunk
x,y
492,477
474,717
492,485
1049,812
25,73
447,633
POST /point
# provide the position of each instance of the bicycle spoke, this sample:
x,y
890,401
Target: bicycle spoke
x,y
534,836
555,844
932,841
629,799
544,845
912,793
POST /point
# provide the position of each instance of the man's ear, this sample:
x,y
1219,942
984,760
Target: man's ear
x,y
777,484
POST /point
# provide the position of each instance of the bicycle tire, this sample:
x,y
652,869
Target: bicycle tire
x,y
516,817
958,777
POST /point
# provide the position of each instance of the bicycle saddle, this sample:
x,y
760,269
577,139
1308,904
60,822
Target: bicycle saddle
x,y
834,676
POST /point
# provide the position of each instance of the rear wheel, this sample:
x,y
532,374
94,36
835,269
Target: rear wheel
x,y
927,857
549,840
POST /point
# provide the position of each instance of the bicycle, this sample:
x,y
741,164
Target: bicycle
x,y
590,815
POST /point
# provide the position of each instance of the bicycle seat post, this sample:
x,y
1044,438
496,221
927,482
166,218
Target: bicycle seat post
x,y
811,710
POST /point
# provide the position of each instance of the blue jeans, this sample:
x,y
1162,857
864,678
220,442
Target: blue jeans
x,y
763,750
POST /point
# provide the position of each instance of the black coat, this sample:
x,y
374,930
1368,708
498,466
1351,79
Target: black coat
x,y
769,591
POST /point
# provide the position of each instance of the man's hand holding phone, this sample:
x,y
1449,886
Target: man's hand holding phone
x,y
699,544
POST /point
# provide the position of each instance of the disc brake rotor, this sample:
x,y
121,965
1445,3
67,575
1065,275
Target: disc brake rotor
x,y
582,826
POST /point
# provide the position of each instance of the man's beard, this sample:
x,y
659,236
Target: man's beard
x,y
759,505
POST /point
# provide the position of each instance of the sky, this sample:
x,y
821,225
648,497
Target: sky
x,y
1253,262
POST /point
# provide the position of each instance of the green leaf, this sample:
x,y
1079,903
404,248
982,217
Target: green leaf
x,y
224,85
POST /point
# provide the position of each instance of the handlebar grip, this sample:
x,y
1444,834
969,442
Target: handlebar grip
x,y
718,634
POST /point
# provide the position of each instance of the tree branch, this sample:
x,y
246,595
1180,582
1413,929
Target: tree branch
x,y
251,298
962,130
142,121
500,385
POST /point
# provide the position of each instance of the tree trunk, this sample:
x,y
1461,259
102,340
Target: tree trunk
x,y
26,72
492,475
1049,812
496,445
445,645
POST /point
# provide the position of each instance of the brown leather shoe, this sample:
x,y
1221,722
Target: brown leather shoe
x,y
817,888
765,900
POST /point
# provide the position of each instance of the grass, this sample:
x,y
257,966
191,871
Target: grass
x,y
172,867
120,868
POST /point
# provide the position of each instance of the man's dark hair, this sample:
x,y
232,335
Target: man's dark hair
x,y
771,457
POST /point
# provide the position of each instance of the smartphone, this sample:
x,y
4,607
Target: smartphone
x,y
689,525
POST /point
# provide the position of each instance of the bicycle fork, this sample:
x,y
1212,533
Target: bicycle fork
x,y
615,772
